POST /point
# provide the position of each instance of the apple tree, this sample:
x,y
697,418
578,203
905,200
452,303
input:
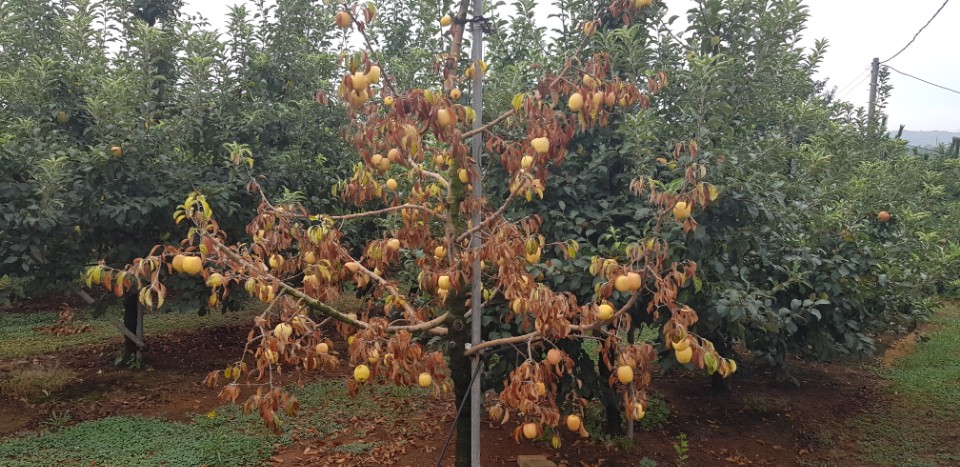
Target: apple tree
x,y
439,230
112,110
793,257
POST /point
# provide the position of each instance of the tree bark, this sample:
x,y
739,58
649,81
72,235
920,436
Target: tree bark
x,y
460,373
131,305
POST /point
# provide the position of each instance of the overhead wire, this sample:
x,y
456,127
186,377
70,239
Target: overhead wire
x,y
918,32
854,88
846,87
922,80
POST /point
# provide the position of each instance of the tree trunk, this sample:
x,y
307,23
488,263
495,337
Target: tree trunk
x,y
131,321
460,373
613,423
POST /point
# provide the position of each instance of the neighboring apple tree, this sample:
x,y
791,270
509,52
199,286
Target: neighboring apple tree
x,y
112,111
415,179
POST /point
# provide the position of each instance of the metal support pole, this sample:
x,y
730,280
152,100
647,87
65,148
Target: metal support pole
x,y
476,289
874,72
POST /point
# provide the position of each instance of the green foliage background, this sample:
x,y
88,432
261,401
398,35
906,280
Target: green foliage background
x,y
80,77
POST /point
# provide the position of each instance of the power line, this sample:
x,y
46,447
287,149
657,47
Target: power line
x,y
844,88
923,80
840,98
840,92
918,32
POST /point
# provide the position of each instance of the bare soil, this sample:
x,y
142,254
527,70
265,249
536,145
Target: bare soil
x,y
761,422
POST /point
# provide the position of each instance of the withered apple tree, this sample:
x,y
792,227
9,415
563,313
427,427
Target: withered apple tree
x,y
416,173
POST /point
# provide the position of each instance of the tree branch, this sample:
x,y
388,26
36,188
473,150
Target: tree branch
x,y
431,326
530,336
489,219
382,211
406,306
456,31
489,124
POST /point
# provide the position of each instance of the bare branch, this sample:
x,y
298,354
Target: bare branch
x,y
489,219
383,211
310,301
489,124
530,336
393,291
431,326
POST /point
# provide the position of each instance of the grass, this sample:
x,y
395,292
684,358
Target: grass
x,y
35,383
134,441
927,385
224,436
357,448
19,339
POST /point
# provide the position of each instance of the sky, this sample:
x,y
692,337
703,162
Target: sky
x,y
857,31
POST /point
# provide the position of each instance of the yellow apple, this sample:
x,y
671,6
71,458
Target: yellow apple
x,y
361,373
573,423
575,103
360,80
541,145
215,280
283,331
178,263
393,155
373,75
424,380
530,430
554,356
192,265
681,211
604,312
526,162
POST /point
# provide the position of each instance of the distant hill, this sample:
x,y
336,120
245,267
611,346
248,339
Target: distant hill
x,y
928,138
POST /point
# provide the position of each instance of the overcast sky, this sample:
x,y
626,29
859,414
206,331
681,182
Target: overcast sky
x,y
858,30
